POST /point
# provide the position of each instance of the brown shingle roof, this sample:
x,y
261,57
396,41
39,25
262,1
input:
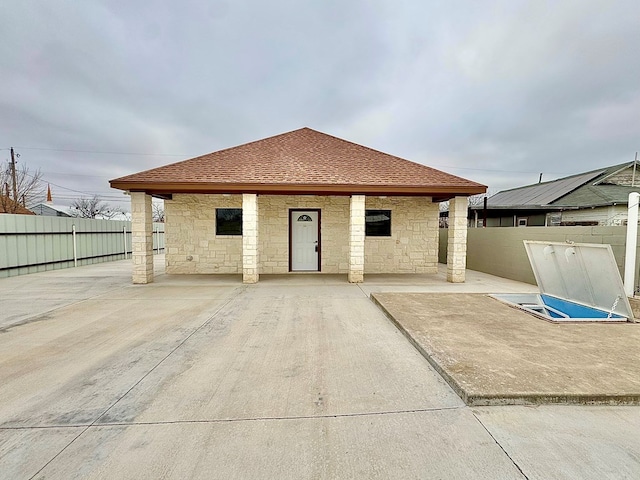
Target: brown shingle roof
x,y
7,205
302,161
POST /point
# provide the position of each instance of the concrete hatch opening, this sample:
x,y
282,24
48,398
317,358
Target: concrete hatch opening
x,y
578,282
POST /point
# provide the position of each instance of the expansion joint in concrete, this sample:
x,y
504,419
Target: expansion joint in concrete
x,y
524,475
94,423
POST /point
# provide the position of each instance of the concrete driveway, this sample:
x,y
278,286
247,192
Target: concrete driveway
x,y
202,377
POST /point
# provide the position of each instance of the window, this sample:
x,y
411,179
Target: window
x,y
378,223
228,221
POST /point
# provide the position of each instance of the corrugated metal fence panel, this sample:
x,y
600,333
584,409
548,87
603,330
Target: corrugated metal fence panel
x,y
30,243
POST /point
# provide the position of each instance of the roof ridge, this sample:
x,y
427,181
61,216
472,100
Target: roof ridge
x,y
601,170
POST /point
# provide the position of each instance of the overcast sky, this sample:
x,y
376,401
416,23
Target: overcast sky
x,y
493,91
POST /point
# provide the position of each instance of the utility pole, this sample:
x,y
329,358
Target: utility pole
x,y
13,176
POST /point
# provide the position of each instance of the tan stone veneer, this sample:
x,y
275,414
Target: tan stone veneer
x,y
457,242
356,238
192,245
141,238
250,258
413,244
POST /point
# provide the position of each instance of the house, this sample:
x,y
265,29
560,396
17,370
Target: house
x,y
50,210
302,201
7,205
597,197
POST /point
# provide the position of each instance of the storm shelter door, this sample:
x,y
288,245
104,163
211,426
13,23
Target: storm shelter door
x,y
304,243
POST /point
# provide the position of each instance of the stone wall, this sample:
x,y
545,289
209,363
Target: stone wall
x,y
192,245
413,244
273,238
141,237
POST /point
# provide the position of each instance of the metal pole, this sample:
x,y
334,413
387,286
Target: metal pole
x,y
75,246
14,177
632,242
124,231
484,213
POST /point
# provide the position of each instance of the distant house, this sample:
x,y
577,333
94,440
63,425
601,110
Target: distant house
x,y
7,205
50,210
597,197
302,201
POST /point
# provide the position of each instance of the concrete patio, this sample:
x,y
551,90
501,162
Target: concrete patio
x,y
493,354
295,377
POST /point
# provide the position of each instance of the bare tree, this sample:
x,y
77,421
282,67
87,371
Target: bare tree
x,y
94,207
29,188
158,212
478,199
474,200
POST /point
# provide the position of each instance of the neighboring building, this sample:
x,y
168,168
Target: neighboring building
x,y
301,201
7,205
50,210
597,197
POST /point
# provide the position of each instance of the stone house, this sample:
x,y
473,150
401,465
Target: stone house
x,y
302,201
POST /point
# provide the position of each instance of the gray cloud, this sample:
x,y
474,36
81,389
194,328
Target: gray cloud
x,y
493,91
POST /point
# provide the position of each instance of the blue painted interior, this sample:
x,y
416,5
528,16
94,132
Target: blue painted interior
x,y
573,310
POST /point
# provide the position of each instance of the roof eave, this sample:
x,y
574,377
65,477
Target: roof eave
x,y
523,207
166,188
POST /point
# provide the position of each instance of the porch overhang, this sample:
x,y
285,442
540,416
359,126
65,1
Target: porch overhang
x,y
165,189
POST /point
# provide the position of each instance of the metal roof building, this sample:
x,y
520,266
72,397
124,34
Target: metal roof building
x,y
597,197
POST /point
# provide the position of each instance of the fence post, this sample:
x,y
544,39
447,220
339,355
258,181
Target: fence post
x,y
632,239
75,246
124,231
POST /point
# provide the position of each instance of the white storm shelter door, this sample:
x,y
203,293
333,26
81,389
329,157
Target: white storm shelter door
x,y
304,241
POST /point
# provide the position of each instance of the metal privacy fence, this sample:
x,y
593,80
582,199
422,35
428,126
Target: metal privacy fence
x,y
31,243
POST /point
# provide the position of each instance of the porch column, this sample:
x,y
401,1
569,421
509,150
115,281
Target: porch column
x,y
457,241
356,239
249,238
141,237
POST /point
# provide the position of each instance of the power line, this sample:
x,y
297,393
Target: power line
x,y
147,154
105,152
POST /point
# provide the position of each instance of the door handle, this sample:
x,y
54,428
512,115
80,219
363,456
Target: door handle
x,y
316,248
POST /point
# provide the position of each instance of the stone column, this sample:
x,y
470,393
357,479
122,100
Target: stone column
x,y
356,239
142,237
249,238
457,241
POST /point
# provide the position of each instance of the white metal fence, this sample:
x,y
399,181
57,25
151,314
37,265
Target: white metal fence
x,y
32,243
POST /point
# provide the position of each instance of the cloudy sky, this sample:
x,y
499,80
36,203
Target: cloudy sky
x,y
494,91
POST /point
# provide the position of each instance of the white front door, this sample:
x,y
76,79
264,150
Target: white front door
x,y
305,248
